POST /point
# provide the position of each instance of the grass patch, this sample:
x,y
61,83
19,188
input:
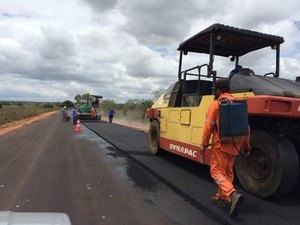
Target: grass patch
x,y
14,112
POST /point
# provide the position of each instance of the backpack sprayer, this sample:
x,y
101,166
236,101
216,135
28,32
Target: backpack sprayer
x,y
233,117
233,120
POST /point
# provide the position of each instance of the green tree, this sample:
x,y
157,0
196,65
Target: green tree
x,y
108,104
68,104
142,106
157,93
82,99
78,98
85,97
147,104
129,106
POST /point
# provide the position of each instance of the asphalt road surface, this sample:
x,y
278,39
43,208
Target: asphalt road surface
x,y
47,167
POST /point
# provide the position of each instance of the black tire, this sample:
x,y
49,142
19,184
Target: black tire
x,y
272,167
153,135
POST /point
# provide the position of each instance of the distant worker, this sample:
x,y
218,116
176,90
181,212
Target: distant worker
x,y
93,112
223,153
74,115
64,113
235,70
96,102
111,114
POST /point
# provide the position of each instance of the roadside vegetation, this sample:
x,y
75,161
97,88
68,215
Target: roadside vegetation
x,y
13,111
132,110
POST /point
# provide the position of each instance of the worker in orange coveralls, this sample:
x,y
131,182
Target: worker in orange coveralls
x,y
223,154
93,112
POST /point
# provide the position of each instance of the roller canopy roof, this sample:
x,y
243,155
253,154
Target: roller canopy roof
x,y
97,96
229,41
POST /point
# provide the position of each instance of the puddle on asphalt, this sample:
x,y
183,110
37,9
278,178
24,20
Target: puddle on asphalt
x,y
114,152
126,168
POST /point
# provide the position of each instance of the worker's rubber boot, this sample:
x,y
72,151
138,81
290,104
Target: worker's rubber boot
x,y
220,203
236,200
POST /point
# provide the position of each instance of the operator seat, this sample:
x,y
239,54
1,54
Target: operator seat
x,y
241,71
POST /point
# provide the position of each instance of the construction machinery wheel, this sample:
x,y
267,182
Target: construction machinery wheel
x,y
154,133
271,168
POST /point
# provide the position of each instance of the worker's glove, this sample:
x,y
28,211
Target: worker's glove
x,y
202,149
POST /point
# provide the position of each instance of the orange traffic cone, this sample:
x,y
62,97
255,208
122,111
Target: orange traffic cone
x,y
77,128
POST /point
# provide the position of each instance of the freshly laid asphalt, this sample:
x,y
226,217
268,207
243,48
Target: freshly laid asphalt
x,y
192,181
104,174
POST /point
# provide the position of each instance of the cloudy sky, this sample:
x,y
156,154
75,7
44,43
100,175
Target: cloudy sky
x,y
51,50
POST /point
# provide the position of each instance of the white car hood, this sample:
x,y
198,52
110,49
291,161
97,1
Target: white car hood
x,y
33,218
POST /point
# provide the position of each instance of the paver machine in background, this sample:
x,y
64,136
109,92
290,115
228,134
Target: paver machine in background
x,y
85,109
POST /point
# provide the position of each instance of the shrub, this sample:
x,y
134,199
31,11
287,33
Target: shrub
x,y
48,106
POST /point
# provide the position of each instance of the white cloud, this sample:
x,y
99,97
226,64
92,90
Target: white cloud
x,y
124,49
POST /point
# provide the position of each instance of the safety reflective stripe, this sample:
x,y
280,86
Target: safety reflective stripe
x,y
220,180
210,122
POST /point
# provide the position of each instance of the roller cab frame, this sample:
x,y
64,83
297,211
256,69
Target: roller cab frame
x,y
177,117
